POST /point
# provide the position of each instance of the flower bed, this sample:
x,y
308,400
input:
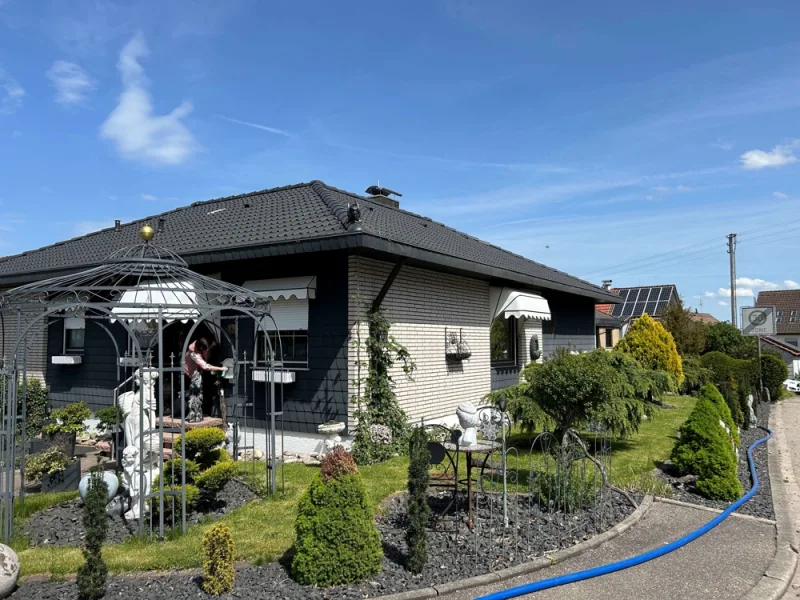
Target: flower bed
x,y
455,553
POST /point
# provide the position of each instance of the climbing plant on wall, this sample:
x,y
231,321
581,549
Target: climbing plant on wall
x,y
382,429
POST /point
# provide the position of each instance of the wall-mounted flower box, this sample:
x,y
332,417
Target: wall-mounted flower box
x,y
456,347
67,359
262,376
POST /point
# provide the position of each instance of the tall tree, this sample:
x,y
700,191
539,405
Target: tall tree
x,y
689,334
724,337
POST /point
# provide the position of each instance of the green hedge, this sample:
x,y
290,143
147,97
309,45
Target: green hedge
x,y
705,450
774,373
695,375
710,392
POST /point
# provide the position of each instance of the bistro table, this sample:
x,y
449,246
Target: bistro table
x,y
480,448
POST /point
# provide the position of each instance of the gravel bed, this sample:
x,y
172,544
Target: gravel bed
x,y
454,553
759,505
62,524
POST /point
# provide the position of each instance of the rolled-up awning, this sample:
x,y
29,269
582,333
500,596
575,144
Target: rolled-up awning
x,y
508,302
176,299
285,288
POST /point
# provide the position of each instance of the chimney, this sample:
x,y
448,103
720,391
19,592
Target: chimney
x,y
381,195
606,284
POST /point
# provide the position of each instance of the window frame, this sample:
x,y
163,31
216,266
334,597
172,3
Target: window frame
x,y
65,348
512,330
779,316
286,335
609,338
793,316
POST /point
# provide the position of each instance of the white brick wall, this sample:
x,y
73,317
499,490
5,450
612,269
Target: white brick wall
x,y
528,328
36,341
421,304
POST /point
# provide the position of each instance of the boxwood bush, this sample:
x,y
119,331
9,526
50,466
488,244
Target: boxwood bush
x,y
202,445
705,450
214,478
172,471
337,542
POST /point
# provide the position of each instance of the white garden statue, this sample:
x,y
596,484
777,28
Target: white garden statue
x,y
138,477
131,404
468,419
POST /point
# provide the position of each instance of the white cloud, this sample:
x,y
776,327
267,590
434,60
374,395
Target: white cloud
x,y
71,82
11,93
723,303
137,131
741,292
149,197
648,197
16,133
84,227
781,155
755,283
266,128
723,145
112,197
792,285
780,195
708,294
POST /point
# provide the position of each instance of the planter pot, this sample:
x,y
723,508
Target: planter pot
x,y
66,441
36,446
63,481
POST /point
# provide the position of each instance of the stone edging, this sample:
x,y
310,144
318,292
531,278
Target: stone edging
x,y
536,564
778,576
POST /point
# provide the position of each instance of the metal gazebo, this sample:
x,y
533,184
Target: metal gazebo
x,y
144,290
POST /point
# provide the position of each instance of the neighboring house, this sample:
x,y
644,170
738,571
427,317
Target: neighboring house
x,y
790,354
324,256
787,314
705,318
608,330
636,301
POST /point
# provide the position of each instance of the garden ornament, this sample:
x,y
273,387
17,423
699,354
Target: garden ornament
x,y
468,419
9,570
118,506
753,419
133,403
111,482
138,476
380,434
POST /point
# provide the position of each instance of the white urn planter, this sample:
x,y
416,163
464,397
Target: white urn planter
x,y
9,570
332,430
111,481
468,419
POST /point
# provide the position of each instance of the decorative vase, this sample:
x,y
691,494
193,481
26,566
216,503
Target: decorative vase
x,y
111,481
468,419
331,430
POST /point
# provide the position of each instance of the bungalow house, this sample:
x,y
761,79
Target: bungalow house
x,y
324,257
608,330
787,324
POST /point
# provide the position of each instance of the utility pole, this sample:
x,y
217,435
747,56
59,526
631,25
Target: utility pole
x,y
732,253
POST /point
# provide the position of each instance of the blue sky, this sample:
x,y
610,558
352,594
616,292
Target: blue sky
x,y
617,140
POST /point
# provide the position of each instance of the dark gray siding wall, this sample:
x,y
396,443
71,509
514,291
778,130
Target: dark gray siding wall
x,y
94,380
571,325
319,393
503,378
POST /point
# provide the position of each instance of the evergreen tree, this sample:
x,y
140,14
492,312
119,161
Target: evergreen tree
x,y
93,573
418,509
652,345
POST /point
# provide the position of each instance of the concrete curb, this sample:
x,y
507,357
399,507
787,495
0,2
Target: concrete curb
x,y
778,576
716,511
537,564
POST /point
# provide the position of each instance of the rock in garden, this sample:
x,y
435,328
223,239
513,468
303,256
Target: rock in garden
x,y
9,570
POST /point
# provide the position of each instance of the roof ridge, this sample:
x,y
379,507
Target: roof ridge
x,y
324,193
477,239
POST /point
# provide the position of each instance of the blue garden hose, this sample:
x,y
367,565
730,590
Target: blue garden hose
x,y
545,584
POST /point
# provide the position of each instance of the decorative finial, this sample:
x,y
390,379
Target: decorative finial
x,y
146,233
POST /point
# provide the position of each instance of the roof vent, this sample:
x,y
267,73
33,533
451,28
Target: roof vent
x,y
606,284
381,195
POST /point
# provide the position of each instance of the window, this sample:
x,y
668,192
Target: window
x,y
74,335
295,347
793,316
792,341
504,342
779,316
609,338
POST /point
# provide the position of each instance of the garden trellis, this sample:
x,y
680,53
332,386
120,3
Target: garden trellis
x,y
137,294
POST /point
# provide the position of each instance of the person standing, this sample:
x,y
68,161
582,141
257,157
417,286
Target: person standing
x,y
195,362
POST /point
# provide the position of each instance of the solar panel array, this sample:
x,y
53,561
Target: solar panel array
x,y
639,300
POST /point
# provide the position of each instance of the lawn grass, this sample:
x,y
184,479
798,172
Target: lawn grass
x,y
264,530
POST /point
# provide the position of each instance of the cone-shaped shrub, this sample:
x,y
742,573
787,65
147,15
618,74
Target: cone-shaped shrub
x,y
337,541
93,573
418,509
218,570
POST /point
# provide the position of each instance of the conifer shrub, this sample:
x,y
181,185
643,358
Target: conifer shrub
x,y
218,569
214,478
172,471
774,372
337,541
202,445
93,573
419,510
710,392
172,504
652,345
705,450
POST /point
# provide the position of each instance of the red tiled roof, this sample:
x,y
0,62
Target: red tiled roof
x,y
784,301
